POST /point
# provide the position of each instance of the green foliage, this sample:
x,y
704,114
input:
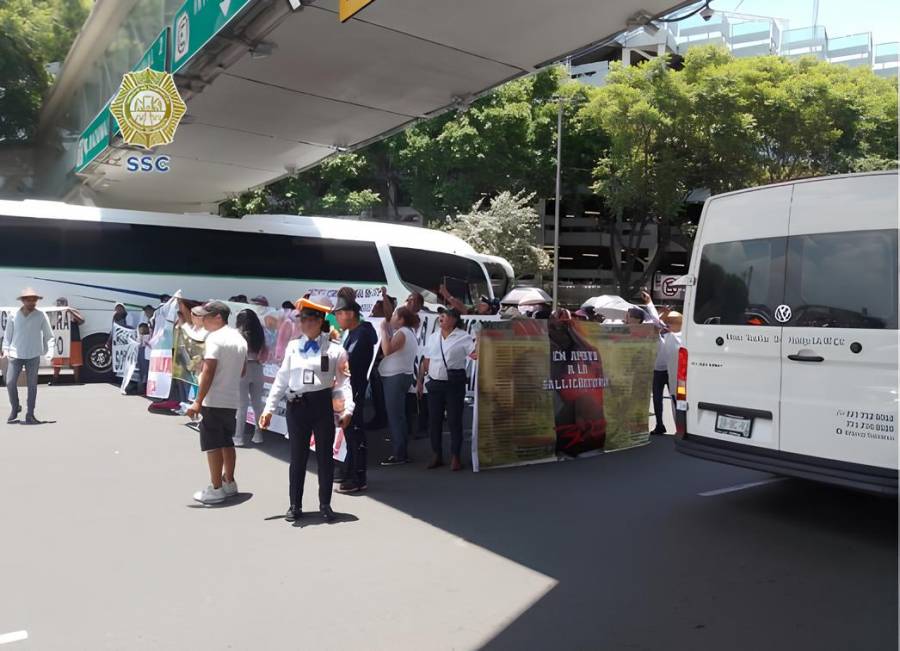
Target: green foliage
x,y
33,33
724,123
505,228
640,144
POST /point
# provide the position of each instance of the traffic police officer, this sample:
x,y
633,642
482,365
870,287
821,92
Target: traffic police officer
x,y
315,379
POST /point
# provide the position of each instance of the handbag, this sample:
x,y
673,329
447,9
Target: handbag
x,y
453,374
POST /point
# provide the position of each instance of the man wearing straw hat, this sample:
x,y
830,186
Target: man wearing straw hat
x,y
26,339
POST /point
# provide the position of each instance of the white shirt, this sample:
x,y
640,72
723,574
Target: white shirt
x,y
229,348
669,351
457,347
402,361
27,336
301,372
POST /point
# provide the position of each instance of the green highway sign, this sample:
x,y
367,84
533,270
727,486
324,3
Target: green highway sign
x,y
196,23
155,56
94,139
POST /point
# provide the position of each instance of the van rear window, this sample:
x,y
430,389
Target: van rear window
x,y
843,280
740,283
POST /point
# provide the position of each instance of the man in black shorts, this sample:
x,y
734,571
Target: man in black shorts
x,y
218,396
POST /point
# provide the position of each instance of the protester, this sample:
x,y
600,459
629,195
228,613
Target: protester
x,y
148,312
287,306
224,356
75,360
315,377
262,301
251,385
359,340
384,308
445,367
417,406
26,339
143,360
668,351
396,371
121,316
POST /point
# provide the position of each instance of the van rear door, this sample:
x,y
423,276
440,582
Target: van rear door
x,y
839,370
732,337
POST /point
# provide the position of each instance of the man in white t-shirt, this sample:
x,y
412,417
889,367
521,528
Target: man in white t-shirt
x,y
218,397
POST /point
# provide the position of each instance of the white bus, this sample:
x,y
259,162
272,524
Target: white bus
x,y
96,257
789,362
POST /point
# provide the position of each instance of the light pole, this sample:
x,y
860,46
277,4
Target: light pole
x,y
556,206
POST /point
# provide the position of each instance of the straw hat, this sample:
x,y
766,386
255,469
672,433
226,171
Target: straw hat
x,y
28,292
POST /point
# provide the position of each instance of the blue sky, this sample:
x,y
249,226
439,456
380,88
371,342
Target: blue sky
x,y
840,17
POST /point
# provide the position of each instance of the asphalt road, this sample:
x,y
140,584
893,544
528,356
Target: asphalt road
x,y
101,547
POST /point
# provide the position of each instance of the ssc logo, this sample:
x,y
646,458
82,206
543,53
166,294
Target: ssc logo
x,y
783,313
148,108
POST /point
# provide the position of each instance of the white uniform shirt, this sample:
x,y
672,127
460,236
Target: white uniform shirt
x,y
301,372
27,336
457,347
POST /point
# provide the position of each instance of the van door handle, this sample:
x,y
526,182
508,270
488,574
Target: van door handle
x,y
806,358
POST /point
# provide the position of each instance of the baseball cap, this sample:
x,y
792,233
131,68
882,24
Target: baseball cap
x,y
212,308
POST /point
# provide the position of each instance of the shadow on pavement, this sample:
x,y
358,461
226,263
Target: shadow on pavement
x,y
643,562
240,498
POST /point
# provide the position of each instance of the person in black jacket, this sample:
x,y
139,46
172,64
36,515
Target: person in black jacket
x,y
359,340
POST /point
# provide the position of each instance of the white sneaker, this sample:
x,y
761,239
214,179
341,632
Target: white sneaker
x,y
210,495
258,437
230,488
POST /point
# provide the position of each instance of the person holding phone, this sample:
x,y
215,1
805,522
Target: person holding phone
x,y
444,367
315,378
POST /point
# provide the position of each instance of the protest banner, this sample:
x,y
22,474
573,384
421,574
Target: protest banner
x,y
60,324
514,410
548,388
122,338
159,377
131,363
187,356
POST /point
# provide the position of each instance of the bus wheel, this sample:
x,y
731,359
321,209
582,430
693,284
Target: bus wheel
x,y
97,359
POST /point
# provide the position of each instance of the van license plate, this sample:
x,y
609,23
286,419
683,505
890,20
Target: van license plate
x,y
734,425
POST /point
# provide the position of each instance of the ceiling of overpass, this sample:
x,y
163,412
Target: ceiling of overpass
x,y
329,85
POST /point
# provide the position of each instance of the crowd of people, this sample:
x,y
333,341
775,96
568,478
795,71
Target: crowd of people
x,y
329,358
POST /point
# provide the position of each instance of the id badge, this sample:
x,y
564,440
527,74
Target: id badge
x,y
308,376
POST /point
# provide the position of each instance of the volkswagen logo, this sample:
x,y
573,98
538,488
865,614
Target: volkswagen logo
x,y
783,313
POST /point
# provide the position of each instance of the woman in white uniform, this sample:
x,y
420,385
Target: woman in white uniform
x,y
315,378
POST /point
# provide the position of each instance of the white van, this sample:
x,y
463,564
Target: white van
x,y
96,257
789,362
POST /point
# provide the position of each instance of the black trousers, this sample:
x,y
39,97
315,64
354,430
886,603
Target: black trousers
x,y
660,382
450,397
312,413
357,449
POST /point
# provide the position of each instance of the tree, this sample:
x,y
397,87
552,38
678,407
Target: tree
x,y
505,228
337,186
723,123
33,33
643,176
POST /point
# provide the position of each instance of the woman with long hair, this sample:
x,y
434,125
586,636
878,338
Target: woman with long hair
x,y
247,323
399,345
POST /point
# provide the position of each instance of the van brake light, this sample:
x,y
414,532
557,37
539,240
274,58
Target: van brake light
x,y
681,404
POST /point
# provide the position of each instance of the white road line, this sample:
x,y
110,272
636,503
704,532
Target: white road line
x,y
740,487
16,636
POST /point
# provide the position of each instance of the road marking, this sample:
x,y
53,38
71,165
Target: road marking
x,y
740,487
16,636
